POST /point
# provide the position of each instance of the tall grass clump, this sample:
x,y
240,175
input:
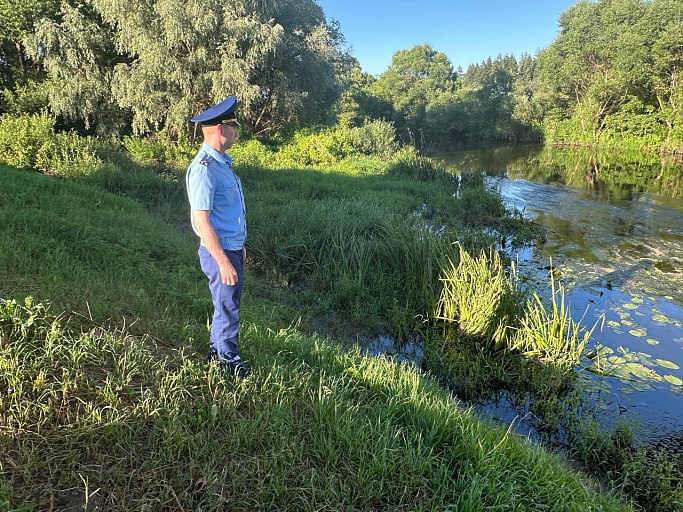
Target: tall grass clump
x,y
479,298
551,336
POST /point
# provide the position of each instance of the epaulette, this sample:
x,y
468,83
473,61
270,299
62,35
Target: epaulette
x,y
206,160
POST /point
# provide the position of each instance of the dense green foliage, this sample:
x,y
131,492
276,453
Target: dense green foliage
x,y
612,75
150,66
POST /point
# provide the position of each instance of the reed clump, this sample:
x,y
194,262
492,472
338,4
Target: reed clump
x,y
490,305
479,298
551,336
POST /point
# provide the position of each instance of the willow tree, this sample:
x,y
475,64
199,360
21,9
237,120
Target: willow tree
x,y
18,74
78,54
302,78
160,61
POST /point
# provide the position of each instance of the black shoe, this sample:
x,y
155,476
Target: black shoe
x,y
236,369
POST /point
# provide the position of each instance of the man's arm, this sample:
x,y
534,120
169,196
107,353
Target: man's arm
x,y
210,241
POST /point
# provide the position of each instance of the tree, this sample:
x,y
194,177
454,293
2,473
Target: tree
x,y
161,61
665,20
17,18
603,61
358,104
78,55
301,79
415,78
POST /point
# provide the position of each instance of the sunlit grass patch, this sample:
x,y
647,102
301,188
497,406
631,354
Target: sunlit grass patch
x,y
479,297
552,336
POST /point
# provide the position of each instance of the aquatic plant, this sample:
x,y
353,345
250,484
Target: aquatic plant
x,y
551,336
480,298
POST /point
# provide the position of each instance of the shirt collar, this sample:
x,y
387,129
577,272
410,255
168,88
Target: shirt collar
x,y
224,159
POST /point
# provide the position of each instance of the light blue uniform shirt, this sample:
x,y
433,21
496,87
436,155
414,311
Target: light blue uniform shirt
x,y
212,185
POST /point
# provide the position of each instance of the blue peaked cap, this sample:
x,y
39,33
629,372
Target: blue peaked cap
x,y
223,113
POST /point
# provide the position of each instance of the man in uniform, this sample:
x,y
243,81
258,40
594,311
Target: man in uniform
x,y
218,217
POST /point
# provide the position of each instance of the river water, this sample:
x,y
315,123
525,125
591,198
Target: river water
x,y
615,235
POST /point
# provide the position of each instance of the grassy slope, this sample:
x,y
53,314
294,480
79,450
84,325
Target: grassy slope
x,y
143,426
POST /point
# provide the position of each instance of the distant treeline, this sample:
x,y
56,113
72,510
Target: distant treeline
x,y
613,75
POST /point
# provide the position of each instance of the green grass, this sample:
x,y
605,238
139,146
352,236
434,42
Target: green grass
x,y
107,394
96,255
316,427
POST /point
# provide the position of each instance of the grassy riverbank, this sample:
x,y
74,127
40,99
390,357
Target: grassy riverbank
x,y
112,401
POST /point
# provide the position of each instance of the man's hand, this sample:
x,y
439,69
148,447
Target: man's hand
x,y
228,273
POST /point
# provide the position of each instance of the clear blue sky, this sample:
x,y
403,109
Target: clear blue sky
x,y
467,31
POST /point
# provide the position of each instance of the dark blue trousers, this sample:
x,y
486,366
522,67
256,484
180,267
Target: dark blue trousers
x,y
226,306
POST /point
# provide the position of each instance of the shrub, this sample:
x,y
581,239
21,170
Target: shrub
x,y
408,164
22,136
252,152
377,137
145,151
29,141
324,147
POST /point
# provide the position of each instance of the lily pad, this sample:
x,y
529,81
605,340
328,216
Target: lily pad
x,y
627,323
673,380
603,350
629,305
639,332
652,341
637,300
667,364
636,386
660,318
643,372
613,324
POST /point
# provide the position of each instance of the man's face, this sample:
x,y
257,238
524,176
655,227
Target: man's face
x,y
229,135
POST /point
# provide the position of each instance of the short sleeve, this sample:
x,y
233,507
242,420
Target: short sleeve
x,y
201,186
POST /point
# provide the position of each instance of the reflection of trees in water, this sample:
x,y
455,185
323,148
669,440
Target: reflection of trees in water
x,y
610,175
607,174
